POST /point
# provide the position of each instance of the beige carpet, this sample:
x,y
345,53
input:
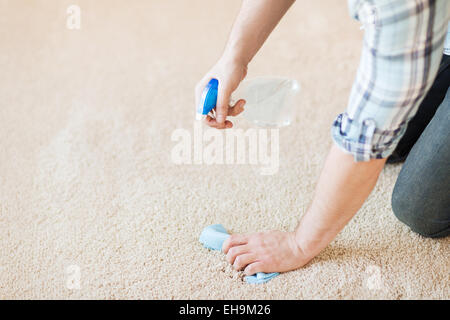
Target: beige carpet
x,y
91,205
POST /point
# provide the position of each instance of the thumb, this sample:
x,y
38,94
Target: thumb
x,y
223,99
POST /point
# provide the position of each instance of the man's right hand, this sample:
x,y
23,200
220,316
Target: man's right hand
x,y
254,23
229,74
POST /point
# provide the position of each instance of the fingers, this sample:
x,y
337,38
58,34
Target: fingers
x,y
223,99
253,268
233,111
236,251
213,123
234,240
243,260
237,108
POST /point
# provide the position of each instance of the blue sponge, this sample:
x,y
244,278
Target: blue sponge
x,y
214,236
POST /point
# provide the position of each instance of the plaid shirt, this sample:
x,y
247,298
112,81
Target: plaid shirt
x,y
402,49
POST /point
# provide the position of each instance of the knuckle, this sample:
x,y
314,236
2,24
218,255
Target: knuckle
x,y
224,247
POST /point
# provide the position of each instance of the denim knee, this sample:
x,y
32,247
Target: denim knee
x,y
411,211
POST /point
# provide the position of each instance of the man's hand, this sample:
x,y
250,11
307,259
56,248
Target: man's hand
x,y
254,23
343,187
229,74
273,251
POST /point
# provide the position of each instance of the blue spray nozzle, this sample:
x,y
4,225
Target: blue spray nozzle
x,y
208,99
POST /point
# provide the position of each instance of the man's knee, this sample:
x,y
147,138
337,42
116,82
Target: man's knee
x,y
403,209
410,211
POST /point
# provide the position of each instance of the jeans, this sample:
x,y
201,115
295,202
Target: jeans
x,y
421,196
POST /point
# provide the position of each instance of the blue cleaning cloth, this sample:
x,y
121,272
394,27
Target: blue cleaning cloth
x,y
214,236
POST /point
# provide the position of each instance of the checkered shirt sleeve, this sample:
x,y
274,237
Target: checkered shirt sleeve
x,y
402,49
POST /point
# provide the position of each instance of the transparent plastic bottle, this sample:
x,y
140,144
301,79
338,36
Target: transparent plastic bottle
x,y
270,100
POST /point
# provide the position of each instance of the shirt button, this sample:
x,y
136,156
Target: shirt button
x,y
369,122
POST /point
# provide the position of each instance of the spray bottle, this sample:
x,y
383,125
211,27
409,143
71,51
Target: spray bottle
x,y
270,101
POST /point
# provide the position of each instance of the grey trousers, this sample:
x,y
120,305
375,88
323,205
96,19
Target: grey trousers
x,y
421,197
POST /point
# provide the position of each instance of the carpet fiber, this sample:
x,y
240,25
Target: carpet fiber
x,y
91,205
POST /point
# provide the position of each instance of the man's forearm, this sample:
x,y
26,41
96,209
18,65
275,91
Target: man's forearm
x,y
254,23
343,187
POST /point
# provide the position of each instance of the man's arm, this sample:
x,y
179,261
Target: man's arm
x,y
254,23
377,114
343,187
